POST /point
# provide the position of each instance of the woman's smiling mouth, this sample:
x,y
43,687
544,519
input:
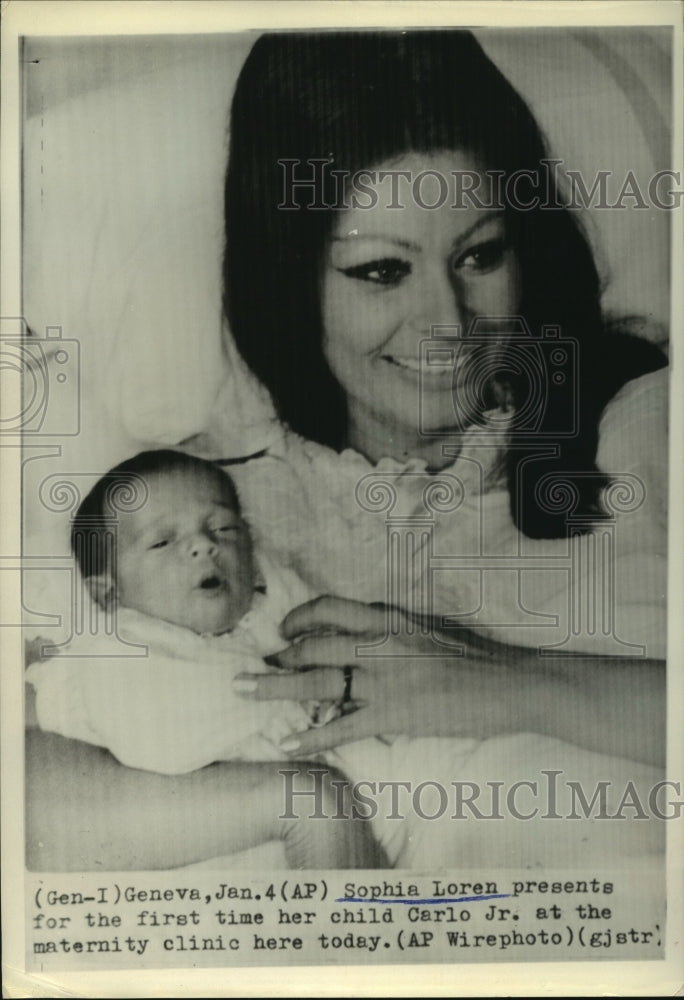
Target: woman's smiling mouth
x,y
411,364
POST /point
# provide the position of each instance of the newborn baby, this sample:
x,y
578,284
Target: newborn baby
x,y
176,575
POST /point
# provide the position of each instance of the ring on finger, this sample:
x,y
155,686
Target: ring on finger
x,y
346,700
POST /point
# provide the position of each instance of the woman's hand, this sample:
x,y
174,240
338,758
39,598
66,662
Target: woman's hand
x,y
421,683
410,682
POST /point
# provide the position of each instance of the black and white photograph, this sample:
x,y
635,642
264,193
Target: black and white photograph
x,y
341,433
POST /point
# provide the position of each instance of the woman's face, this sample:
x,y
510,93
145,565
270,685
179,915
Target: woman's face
x,y
391,275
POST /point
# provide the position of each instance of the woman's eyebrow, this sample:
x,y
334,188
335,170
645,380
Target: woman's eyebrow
x,y
459,240
476,226
383,237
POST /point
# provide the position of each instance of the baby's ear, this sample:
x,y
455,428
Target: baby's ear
x,y
102,589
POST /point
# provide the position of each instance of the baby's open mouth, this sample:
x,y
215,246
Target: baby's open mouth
x,y
212,582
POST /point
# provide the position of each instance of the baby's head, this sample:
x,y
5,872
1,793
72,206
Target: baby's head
x,y
184,556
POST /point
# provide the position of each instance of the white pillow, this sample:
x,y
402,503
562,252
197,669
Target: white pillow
x,y
604,101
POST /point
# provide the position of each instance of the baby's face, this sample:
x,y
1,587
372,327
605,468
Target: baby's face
x,y
186,555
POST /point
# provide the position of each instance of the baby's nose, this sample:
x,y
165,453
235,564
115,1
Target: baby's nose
x,y
202,545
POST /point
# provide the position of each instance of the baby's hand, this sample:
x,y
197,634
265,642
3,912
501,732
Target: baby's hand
x,y
323,712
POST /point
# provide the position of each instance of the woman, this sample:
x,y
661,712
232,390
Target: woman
x,y
348,294
329,306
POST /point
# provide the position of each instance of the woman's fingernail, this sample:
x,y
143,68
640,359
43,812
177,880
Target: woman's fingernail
x,y
290,743
244,684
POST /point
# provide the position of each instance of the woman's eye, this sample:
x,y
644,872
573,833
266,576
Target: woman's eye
x,y
388,271
483,257
162,543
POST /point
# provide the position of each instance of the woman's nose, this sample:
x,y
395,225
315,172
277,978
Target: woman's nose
x,y
439,305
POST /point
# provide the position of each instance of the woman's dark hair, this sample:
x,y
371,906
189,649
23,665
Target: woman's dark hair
x,y
357,99
124,488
